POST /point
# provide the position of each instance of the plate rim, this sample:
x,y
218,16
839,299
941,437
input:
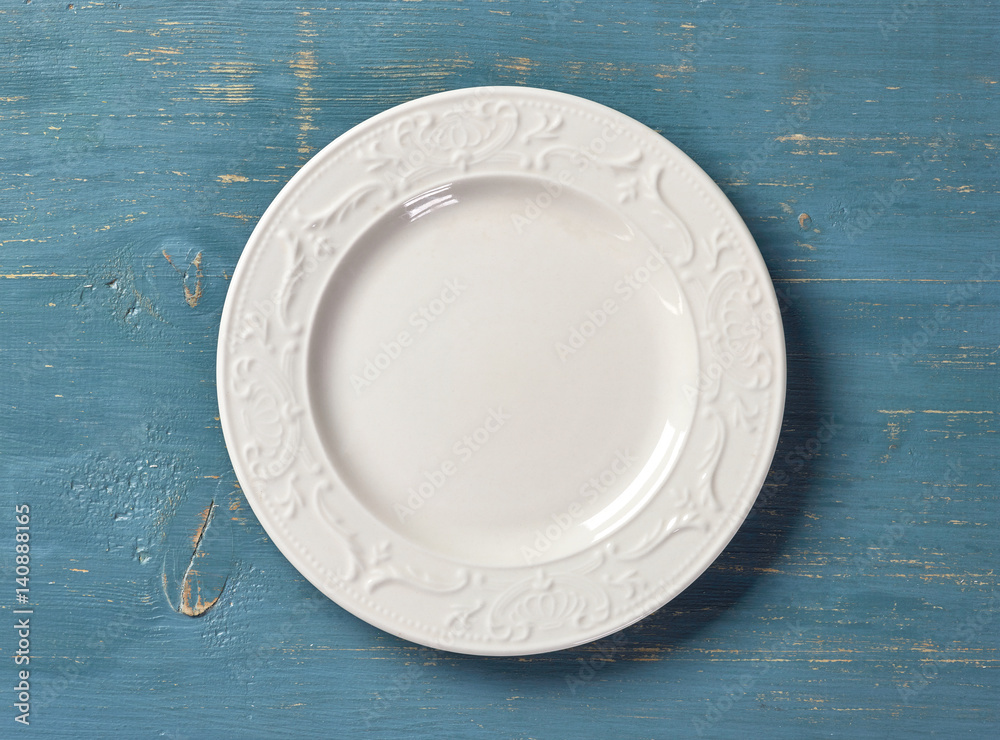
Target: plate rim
x,y
287,193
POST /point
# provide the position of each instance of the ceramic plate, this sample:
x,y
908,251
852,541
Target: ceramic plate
x,y
501,371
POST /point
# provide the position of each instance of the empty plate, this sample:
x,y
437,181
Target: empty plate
x,y
501,371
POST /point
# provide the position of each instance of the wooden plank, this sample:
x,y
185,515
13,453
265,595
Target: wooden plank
x,y
139,144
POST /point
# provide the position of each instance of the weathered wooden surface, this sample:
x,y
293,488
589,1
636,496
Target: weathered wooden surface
x,y
139,142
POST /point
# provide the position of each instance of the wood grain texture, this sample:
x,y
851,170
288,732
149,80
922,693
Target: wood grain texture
x,y
139,144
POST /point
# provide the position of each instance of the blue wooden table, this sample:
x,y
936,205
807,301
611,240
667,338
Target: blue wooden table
x,y
139,144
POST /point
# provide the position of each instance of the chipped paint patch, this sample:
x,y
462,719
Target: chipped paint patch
x,y
304,66
193,602
237,87
240,216
191,297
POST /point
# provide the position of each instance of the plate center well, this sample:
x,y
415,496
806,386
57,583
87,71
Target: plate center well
x,y
500,370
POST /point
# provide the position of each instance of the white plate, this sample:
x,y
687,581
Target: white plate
x,y
501,371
